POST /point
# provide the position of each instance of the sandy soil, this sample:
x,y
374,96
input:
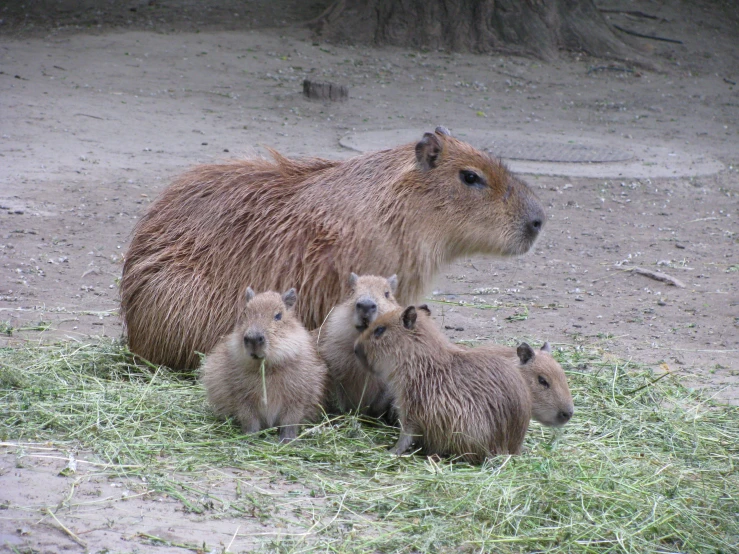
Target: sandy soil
x,y
101,107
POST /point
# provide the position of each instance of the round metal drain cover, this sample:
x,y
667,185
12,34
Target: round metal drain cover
x,y
568,152
510,146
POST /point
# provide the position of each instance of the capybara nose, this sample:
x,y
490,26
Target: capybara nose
x,y
535,222
565,415
254,340
366,307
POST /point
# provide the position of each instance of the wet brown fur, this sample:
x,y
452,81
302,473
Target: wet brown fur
x,y
308,223
355,389
470,403
294,373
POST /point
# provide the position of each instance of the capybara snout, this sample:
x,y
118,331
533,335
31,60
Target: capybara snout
x,y
254,342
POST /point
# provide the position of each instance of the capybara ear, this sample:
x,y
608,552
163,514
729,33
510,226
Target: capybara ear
x,y
525,353
440,130
425,308
546,348
409,317
427,151
249,294
289,298
353,278
393,282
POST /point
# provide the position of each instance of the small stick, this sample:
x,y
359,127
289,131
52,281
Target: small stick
x,y
629,12
657,276
228,548
74,537
318,338
634,33
264,383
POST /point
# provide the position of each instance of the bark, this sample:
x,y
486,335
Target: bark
x,y
539,28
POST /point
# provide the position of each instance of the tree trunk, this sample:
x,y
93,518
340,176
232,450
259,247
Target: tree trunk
x,y
538,28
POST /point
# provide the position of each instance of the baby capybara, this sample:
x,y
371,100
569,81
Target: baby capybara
x,y
551,400
309,222
268,334
355,389
455,401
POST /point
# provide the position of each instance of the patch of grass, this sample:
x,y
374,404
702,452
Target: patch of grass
x,y
646,465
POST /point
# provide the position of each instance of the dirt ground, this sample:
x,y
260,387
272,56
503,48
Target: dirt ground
x,y
102,106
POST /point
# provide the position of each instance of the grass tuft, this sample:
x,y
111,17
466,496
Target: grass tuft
x,y
646,465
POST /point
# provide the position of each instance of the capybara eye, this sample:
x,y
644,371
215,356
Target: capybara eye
x,y
471,178
543,382
278,316
379,331
387,294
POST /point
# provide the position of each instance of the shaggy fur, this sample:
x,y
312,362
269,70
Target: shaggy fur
x,y
295,375
455,401
551,399
308,223
355,389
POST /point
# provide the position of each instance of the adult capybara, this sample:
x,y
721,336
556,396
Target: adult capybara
x,y
465,402
355,389
308,223
551,399
292,387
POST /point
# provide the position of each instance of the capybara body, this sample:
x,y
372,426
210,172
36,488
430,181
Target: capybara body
x,y
452,400
294,375
551,399
308,223
354,388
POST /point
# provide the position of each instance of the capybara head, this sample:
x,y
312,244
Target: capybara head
x,y
481,206
386,340
551,400
371,296
267,323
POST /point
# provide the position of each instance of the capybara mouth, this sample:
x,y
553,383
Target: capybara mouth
x,y
361,327
256,356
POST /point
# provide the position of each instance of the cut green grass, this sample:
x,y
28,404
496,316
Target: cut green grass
x,y
646,465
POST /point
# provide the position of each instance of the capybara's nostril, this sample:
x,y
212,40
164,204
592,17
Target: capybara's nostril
x,y
535,220
565,415
366,307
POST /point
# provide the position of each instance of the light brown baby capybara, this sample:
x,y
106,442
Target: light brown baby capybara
x,y
294,380
551,399
354,388
451,400
308,223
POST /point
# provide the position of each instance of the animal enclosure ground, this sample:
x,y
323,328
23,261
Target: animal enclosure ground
x,y
101,110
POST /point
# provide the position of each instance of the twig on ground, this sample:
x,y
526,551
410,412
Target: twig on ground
x,y
74,537
630,12
652,37
657,276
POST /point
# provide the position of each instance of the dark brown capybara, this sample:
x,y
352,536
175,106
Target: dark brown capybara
x,y
308,223
293,385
